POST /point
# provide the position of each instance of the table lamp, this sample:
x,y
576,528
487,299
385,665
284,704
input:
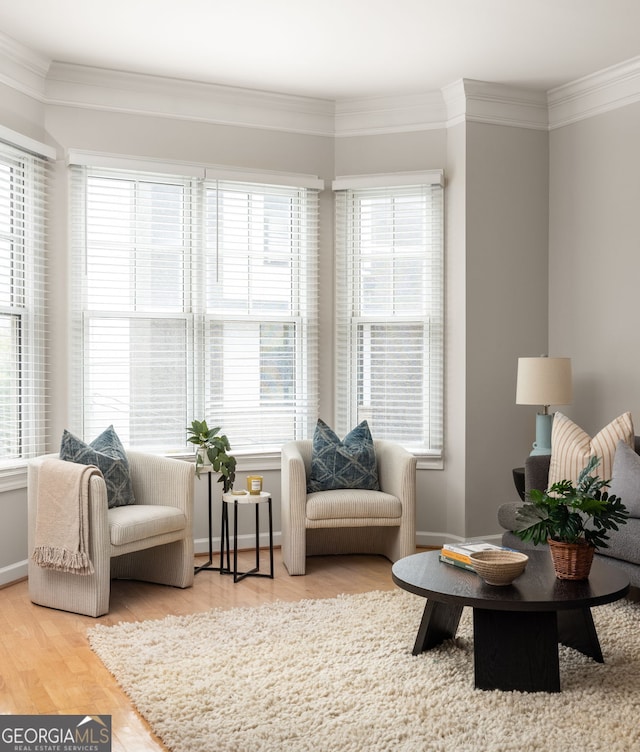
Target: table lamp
x,y
543,381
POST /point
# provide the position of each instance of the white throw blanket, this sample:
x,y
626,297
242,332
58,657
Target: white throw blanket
x,y
62,520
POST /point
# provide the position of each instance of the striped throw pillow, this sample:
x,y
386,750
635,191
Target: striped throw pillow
x,y
571,447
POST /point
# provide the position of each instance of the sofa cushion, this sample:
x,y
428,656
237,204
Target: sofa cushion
x,y
625,479
624,543
571,447
349,503
350,463
507,514
140,521
108,455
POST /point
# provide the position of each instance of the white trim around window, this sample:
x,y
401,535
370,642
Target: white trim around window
x,y
23,286
193,298
381,180
186,169
390,308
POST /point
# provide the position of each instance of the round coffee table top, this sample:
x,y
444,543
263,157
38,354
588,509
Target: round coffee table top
x,y
536,589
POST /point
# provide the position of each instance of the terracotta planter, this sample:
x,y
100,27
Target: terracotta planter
x,y
572,561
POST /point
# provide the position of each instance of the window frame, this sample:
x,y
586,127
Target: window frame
x,y
200,314
24,209
351,319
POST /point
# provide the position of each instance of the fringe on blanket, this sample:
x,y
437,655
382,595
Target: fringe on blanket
x,y
63,560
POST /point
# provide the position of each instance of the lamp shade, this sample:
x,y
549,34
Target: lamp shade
x,y
544,381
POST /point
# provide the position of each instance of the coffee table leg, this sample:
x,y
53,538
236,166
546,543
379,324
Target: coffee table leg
x,y
439,623
577,630
516,650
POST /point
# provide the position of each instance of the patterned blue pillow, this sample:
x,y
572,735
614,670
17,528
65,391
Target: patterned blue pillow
x,y
350,463
108,454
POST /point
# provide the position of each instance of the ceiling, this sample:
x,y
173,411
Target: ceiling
x,y
334,49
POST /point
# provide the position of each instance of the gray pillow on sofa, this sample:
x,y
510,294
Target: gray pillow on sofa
x,y
625,478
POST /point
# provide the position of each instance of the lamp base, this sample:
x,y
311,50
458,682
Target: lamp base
x,y
542,444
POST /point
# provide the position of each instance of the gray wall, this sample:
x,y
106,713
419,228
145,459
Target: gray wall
x,y
594,262
507,190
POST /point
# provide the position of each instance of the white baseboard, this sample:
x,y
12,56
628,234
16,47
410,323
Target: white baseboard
x,y
201,545
423,538
13,573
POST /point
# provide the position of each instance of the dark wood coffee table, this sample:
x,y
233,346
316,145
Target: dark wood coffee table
x,y
516,628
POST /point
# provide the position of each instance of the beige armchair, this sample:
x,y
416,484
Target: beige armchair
x,y
348,520
151,540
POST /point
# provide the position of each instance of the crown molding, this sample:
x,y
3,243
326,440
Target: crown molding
x,y
368,116
120,91
468,100
609,89
455,100
506,105
96,88
465,100
22,69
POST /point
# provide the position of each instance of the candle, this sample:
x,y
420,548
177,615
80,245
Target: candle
x,y
254,484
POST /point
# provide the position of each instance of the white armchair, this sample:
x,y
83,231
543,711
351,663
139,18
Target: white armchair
x,y
348,520
151,540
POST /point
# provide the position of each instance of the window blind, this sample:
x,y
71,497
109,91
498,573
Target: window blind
x,y
23,407
194,299
389,315
261,335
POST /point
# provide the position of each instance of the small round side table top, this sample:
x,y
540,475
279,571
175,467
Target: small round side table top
x,y
246,498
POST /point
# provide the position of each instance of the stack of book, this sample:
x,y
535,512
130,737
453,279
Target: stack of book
x,y
458,554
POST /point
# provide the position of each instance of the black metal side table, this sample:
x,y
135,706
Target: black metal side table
x,y
208,565
240,500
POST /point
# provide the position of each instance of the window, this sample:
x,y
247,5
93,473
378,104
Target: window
x,y
23,411
194,298
261,301
389,280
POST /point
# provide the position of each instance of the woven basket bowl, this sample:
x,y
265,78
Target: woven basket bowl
x,y
499,567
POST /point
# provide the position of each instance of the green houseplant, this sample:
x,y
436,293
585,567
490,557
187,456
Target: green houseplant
x,y
574,520
215,447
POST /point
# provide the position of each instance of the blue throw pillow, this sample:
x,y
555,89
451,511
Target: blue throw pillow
x,y
350,463
108,455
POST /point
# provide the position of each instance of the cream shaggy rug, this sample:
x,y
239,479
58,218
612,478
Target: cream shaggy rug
x,y
337,675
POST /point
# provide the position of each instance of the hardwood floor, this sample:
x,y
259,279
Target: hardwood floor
x,y
47,667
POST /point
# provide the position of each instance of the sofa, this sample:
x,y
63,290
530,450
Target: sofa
x,y
623,545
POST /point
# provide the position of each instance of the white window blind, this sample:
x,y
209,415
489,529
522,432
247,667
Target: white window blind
x,y
389,295
261,301
23,408
194,299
